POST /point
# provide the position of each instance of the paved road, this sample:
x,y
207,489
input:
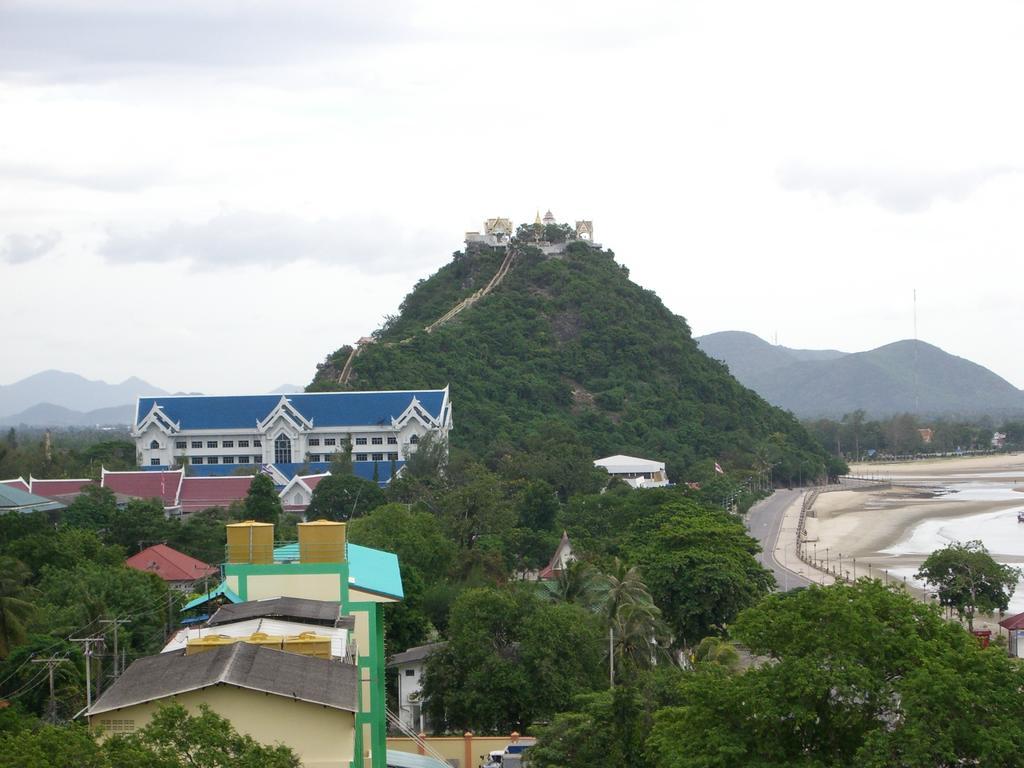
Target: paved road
x,y
763,521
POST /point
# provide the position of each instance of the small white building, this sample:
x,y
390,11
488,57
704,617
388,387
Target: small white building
x,y
639,473
411,665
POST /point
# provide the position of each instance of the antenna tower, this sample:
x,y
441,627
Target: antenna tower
x,y
917,391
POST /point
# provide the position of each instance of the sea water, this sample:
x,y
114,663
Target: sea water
x,y
998,531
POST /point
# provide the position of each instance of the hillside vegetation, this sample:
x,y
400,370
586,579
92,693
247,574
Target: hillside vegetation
x,y
570,345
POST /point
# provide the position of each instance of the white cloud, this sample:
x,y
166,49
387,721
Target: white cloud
x,y
895,190
19,248
247,238
222,153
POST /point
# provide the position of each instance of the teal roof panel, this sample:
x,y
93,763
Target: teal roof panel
x,y
221,591
371,570
17,500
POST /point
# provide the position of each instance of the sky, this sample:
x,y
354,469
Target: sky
x,y
214,196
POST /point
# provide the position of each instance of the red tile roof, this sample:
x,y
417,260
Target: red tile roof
x,y
165,486
312,481
203,492
1013,622
18,483
170,564
51,488
554,567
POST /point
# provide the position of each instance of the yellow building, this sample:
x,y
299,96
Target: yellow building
x,y
303,702
321,596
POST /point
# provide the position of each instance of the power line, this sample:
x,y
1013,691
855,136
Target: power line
x,y
115,624
51,663
87,644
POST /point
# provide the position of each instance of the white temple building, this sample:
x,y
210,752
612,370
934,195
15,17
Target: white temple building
x,y
639,473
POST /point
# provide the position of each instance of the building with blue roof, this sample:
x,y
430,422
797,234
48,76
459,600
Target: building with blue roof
x,y
216,435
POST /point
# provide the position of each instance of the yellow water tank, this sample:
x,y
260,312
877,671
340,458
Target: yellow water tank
x,y
262,638
208,643
309,644
321,541
251,542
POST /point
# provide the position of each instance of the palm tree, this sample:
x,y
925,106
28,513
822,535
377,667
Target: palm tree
x,y
715,650
15,610
578,583
636,632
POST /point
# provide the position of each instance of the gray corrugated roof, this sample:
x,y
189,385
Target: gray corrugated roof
x,y
309,611
305,678
419,653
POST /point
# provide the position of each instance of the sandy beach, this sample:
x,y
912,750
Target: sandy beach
x,y
1004,465
932,503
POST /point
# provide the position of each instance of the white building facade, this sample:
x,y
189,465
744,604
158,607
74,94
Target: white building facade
x,y
219,434
636,472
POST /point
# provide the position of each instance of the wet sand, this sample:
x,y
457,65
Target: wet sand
x,y
894,528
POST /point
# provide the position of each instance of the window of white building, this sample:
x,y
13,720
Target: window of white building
x,y
282,450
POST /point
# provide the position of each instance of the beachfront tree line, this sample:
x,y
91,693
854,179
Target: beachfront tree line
x,y
857,438
846,675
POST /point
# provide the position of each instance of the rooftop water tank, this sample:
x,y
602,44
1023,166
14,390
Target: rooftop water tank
x,y
251,542
309,644
321,541
207,643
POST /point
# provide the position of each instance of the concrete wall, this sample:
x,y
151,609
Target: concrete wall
x,y
321,737
453,748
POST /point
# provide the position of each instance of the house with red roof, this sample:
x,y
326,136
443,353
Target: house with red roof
x,y
199,493
63,489
176,568
559,561
298,493
164,486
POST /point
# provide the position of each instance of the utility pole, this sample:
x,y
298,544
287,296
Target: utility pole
x,y
116,623
87,644
611,656
53,661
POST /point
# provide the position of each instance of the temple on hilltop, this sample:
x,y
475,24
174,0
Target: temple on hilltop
x,y
499,233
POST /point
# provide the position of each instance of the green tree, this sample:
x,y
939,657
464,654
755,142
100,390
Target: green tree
x,y
538,506
510,660
93,508
968,580
700,567
176,739
579,583
859,675
16,606
476,506
607,728
414,535
341,460
140,524
430,459
50,746
262,502
639,636
344,497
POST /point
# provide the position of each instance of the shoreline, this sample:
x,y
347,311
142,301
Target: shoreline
x,y
888,531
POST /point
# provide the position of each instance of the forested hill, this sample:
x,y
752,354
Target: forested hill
x,y
570,348
902,377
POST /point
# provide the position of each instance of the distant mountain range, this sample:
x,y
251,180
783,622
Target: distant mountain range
x,y
902,377
62,399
